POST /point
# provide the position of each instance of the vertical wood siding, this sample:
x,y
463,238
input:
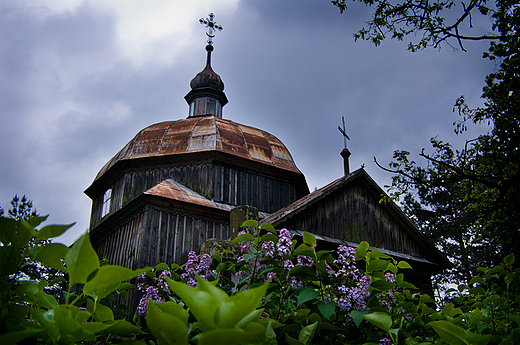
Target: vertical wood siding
x,y
215,182
353,214
168,236
126,240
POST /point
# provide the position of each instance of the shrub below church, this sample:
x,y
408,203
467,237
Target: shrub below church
x,y
279,292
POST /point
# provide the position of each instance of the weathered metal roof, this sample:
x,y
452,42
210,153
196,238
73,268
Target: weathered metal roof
x,y
172,189
207,133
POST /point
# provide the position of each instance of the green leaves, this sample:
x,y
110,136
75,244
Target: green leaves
x,y
304,337
51,231
81,261
222,318
379,319
168,322
52,254
107,279
307,294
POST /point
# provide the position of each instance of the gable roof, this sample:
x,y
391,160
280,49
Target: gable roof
x,y
311,199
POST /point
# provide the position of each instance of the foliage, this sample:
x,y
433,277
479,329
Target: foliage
x,y
271,302
434,22
28,312
466,199
22,208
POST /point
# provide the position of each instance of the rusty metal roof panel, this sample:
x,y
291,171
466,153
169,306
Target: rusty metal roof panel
x,y
152,134
260,153
232,138
235,150
182,126
206,133
202,143
258,140
251,130
174,190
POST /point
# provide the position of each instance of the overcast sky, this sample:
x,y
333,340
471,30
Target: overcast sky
x,y
78,80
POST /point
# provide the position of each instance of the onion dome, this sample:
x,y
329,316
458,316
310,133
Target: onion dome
x,y
208,77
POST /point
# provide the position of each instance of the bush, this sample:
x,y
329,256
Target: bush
x,y
278,292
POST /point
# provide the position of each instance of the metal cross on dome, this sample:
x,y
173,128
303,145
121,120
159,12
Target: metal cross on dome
x,y
344,132
211,25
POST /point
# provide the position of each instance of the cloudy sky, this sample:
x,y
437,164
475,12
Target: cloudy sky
x,y
78,80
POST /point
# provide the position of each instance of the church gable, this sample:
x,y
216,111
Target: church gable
x,y
349,209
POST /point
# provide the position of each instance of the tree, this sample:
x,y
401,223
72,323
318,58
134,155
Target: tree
x,y
470,196
434,22
22,208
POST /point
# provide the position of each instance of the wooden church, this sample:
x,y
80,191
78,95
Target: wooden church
x,y
175,184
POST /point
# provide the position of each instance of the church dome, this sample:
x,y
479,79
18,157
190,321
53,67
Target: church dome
x,y
207,77
203,134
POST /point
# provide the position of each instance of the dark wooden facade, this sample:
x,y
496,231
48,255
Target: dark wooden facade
x,y
213,180
349,210
151,232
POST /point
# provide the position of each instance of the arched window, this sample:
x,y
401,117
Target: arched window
x,y
106,202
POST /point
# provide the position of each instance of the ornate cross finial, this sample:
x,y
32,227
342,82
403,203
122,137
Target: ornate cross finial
x,y
344,132
211,25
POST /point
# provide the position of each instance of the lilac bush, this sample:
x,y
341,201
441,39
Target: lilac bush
x,y
329,285
195,266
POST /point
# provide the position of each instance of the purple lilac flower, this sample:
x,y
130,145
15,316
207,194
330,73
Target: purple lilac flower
x,y
270,276
245,247
284,244
346,263
354,297
304,261
150,293
268,249
193,267
386,299
385,341
162,284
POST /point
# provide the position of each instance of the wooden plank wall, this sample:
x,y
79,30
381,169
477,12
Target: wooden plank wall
x,y
125,240
217,182
168,236
353,214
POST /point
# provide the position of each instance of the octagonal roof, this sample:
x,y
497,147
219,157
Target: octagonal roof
x,y
207,133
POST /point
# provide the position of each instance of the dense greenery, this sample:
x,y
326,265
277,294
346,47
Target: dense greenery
x,y
22,208
279,291
465,199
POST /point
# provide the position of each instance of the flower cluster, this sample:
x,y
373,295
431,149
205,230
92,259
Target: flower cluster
x,y
351,290
149,292
284,244
346,263
195,266
354,297
385,341
387,299
162,284
245,247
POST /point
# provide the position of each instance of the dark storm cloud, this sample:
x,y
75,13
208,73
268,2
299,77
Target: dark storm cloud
x,y
71,99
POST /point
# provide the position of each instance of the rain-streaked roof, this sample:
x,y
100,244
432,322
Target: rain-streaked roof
x,y
172,189
207,133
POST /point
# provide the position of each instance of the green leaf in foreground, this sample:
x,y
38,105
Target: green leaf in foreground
x,y
81,261
450,333
108,278
379,319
